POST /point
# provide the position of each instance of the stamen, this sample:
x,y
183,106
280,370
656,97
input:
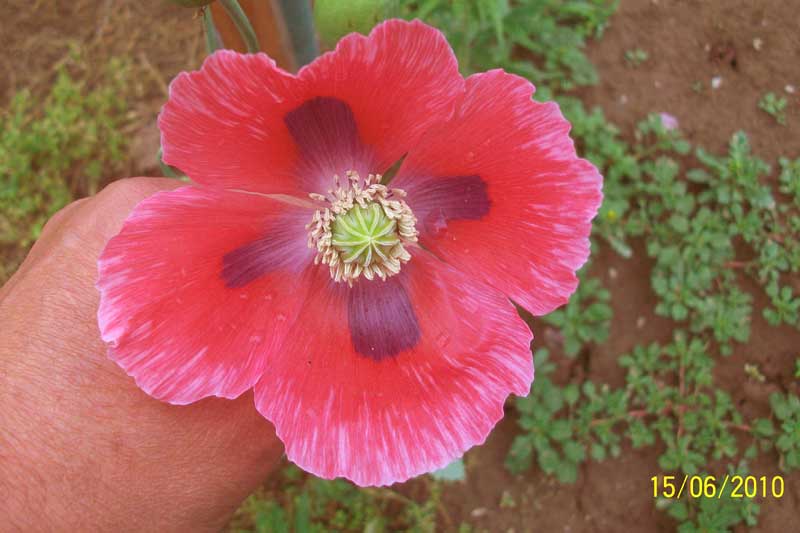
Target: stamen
x,y
361,229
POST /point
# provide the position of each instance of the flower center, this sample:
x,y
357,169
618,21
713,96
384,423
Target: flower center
x,y
364,232
361,228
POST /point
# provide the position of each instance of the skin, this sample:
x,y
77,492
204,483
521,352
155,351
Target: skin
x,y
81,447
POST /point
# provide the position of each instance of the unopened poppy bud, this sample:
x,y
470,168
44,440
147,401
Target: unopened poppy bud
x,y
334,18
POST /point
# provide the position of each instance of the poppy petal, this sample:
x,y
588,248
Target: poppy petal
x,y
396,82
500,193
396,378
223,124
328,141
199,288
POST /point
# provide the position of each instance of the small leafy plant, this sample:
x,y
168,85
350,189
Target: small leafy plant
x,y
775,106
540,40
636,56
699,515
585,318
53,152
298,502
564,425
786,438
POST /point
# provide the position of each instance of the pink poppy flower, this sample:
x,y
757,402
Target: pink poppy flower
x,y
374,322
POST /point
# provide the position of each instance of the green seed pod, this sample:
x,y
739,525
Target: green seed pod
x,y
335,18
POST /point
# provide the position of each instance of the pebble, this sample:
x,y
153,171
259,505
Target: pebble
x,y
716,82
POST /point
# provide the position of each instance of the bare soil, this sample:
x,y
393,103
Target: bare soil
x,y
752,47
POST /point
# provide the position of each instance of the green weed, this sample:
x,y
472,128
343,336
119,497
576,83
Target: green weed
x,y
636,56
55,149
585,318
542,40
302,503
700,515
775,106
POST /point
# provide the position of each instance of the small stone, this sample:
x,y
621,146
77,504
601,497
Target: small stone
x,y
640,322
479,512
612,273
716,82
791,89
757,44
623,99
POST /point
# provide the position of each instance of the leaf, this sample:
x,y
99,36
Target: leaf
x,y
574,451
598,452
561,430
567,472
571,394
762,427
302,514
779,406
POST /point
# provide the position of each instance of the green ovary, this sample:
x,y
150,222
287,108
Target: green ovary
x,y
364,235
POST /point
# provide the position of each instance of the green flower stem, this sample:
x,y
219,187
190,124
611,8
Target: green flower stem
x,y
213,41
242,24
299,20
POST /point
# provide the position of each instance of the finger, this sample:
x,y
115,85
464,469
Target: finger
x,y
90,222
37,250
102,217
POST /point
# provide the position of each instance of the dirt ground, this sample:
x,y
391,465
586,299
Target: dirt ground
x,y
751,47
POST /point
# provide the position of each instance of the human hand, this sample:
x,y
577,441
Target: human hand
x,y
81,446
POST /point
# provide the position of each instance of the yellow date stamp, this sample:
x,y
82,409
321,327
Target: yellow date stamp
x,y
700,486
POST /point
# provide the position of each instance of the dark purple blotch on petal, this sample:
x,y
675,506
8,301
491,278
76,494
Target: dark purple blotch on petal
x,y
326,132
440,200
257,258
381,318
